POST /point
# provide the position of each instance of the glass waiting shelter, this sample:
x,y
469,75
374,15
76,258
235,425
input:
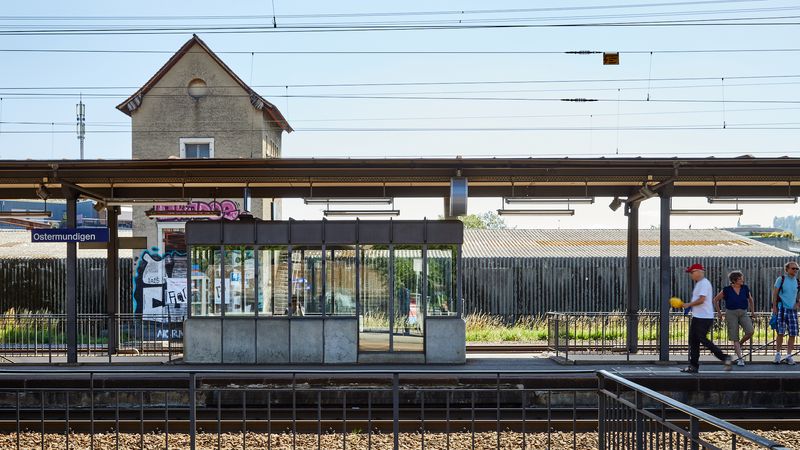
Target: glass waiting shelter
x,y
324,292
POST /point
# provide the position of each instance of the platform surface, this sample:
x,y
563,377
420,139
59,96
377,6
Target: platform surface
x,y
490,362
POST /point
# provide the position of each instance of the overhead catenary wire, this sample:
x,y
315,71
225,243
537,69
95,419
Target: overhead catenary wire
x,y
742,126
459,12
429,83
429,118
462,98
787,20
403,52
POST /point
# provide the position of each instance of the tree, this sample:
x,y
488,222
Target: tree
x,y
484,221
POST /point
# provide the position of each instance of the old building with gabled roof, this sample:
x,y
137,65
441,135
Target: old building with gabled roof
x,y
195,106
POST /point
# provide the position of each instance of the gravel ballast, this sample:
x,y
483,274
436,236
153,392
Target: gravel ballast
x,y
408,441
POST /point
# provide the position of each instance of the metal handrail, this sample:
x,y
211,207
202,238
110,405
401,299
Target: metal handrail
x,y
690,411
49,370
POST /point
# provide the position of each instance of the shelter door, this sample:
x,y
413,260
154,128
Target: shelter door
x,y
391,317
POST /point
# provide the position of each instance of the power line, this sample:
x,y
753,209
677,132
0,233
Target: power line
x,y
406,52
389,13
317,28
427,83
461,19
704,127
426,118
51,96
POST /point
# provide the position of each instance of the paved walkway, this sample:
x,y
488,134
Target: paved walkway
x,y
519,362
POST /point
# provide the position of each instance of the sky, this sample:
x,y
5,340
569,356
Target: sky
x,y
755,95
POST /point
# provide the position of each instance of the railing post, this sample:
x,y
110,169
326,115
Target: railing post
x,y
639,420
566,350
601,412
192,409
396,410
694,432
556,336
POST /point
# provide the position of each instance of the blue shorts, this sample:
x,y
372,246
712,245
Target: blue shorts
x,y
787,321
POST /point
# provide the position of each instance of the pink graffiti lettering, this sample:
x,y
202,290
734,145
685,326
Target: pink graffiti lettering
x,y
228,208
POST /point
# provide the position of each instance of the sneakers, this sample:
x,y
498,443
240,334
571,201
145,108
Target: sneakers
x,y
789,360
689,369
777,358
740,362
728,363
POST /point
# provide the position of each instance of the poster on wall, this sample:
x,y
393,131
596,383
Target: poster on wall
x,y
159,286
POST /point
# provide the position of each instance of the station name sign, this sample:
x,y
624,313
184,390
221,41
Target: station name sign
x,y
70,235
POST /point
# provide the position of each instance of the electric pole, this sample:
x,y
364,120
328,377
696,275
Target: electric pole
x,y
80,112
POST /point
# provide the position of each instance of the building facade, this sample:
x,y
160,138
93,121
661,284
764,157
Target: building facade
x,y
195,106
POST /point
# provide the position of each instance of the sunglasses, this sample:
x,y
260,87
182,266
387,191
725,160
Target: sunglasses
x,y
794,268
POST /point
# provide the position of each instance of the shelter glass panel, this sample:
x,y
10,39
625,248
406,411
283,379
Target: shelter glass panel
x,y
407,322
374,287
442,264
240,283
307,279
273,277
206,281
340,280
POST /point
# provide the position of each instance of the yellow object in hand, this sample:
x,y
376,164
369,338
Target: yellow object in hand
x,y
676,302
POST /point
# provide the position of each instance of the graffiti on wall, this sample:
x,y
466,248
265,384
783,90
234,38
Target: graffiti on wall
x,y
159,285
229,209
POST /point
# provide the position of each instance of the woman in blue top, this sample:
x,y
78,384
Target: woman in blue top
x,y
738,301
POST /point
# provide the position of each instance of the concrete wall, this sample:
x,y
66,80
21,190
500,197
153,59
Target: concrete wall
x,y
445,340
239,340
201,340
272,340
280,340
341,340
306,341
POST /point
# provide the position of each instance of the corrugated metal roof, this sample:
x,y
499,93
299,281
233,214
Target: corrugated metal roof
x,y
609,243
505,243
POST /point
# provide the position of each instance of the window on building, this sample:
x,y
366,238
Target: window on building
x,y
198,88
197,148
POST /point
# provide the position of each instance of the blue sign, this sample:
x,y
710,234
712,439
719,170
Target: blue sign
x,y
70,235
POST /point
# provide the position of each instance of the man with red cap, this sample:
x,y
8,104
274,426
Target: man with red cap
x,y
702,319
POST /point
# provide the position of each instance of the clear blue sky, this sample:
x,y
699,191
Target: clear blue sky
x,y
598,134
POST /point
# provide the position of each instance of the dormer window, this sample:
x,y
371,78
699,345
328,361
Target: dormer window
x,y
198,89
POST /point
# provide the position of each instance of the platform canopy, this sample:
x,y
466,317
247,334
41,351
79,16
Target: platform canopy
x,y
421,177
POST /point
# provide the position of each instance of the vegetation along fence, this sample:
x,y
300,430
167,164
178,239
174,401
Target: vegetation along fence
x,y
518,287
506,287
38,285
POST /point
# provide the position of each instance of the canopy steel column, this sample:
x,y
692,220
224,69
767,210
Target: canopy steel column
x,y
666,277
72,278
632,277
112,277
